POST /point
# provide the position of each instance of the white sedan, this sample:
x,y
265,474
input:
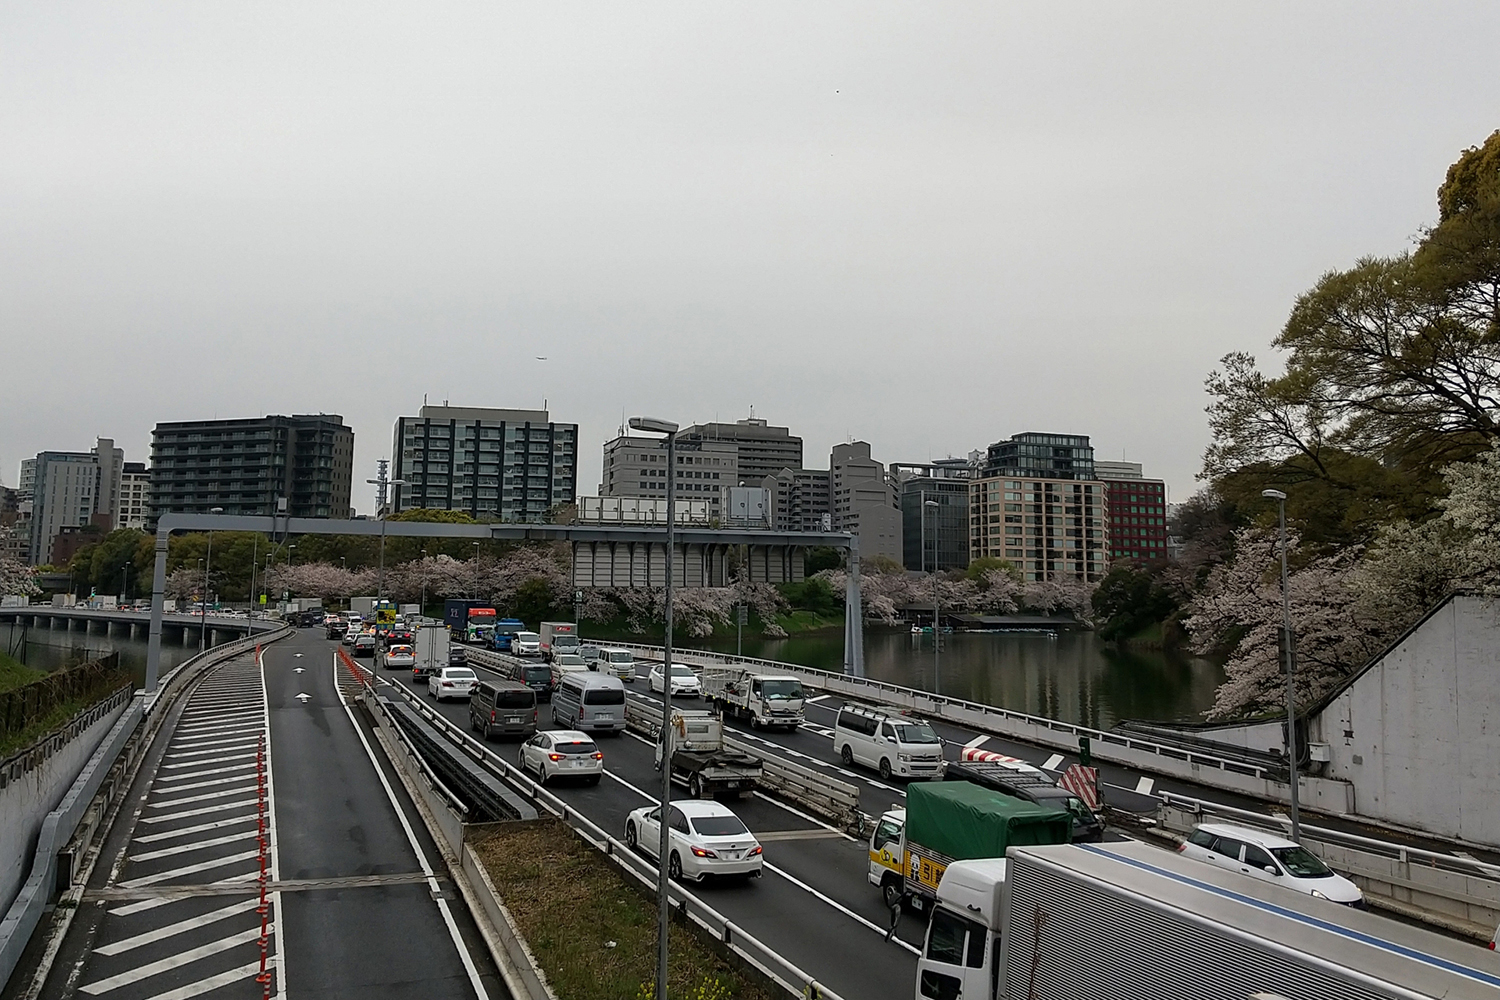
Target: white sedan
x,y
399,656
1269,858
705,838
562,753
451,682
685,683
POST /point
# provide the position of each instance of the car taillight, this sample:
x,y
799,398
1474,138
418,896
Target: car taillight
x,y
492,715
703,852
754,851
554,756
598,756
1182,847
533,715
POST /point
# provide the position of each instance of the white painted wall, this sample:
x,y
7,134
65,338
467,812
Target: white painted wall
x,y
1418,734
27,799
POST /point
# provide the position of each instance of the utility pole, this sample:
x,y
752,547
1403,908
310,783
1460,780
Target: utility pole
x,y
1291,696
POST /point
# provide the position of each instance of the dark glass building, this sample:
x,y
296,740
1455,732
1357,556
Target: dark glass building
x,y
1041,456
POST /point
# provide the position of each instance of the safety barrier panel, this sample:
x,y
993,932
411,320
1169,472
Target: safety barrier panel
x,y
1143,754
59,827
1456,893
744,944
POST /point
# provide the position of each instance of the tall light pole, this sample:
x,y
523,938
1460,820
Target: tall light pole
x,y
1286,638
663,903
254,564
475,595
937,635
203,604
423,612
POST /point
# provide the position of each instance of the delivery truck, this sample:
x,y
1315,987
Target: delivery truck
x,y
948,821
504,631
469,621
768,700
429,651
558,638
1126,920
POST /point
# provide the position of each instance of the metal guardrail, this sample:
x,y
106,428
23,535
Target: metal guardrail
x,y
744,944
1445,885
58,828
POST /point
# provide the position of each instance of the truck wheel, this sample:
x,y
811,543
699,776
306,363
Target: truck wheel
x,y
695,787
891,891
885,769
847,756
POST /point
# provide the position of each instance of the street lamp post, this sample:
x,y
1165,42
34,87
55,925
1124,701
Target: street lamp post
x,y
1286,636
663,903
475,594
203,604
937,635
424,583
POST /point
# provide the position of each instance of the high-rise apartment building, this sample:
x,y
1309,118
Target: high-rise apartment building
x,y
489,462
799,499
865,501
763,450
637,467
934,536
1050,529
245,466
1137,512
133,503
72,489
1041,456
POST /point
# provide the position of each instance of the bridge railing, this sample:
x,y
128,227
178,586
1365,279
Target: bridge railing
x,y
734,937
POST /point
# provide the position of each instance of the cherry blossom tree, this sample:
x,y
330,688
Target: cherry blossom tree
x,y
17,578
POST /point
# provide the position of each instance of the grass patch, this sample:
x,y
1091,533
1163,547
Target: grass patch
x,y
808,621
23,738
570,902
14,673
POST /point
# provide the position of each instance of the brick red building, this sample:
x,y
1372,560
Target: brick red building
x,y
1137,512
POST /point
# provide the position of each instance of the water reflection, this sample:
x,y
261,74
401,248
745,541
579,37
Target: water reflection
x,y
1073,677
49,649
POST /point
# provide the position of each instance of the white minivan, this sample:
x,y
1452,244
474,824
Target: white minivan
x,y
586,700
616,662
896,745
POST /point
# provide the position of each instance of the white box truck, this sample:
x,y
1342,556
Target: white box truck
x,y
558,638
429,650
766,699
1124,921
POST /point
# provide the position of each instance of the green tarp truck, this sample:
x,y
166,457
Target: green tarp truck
x,y
946,821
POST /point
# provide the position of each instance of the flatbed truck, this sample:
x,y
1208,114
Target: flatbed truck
x,y
700,760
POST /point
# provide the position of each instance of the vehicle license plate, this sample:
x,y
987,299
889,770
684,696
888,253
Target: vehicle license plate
x,y
605,716
513,718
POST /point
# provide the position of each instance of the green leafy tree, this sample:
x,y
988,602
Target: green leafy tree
x,y
1130,598
980,569
816,560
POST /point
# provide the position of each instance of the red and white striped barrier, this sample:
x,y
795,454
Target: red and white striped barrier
x,y
1084,783
975,754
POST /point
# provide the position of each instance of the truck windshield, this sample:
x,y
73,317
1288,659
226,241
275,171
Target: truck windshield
x,y
718,826
919,732
481,616
1300,863
565,642
783,690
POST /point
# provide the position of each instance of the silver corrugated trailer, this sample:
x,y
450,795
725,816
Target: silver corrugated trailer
x,y
1128,921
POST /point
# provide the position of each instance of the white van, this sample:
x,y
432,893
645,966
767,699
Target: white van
x,y
585,700
526,644
616,663
896,745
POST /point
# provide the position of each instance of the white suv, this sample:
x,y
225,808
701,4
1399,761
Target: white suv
x,y
1270,858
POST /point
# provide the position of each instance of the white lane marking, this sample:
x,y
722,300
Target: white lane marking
x,y
1050,764
171,930
215,715
1144,786
168,817
142,906
205,797
841,907
265,708
204,729
190,775
218,783
211,983
814,701
202,866
185,831
172,962
219,739
167,852
237,744
222,760
458,941
799,812
977,741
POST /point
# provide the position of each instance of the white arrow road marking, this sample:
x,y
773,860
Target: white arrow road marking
x,y
297,655
304,697
299,669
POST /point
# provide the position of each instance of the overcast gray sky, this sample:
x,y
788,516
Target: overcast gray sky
x,y
929,226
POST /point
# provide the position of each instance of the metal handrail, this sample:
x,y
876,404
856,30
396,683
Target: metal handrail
x,y
769,962
937,702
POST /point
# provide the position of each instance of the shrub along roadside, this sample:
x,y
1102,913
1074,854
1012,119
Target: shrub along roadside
x,y
592,929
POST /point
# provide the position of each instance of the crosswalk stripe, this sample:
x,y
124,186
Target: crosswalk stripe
x,y
167,852
202,866
171,962
225,807
172,930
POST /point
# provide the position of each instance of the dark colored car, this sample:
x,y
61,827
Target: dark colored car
x,y
504,708
1037,788
398,636
537,676
457,656
336,629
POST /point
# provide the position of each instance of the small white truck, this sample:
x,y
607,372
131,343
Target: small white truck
x,y
429,651
767,700
700,760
